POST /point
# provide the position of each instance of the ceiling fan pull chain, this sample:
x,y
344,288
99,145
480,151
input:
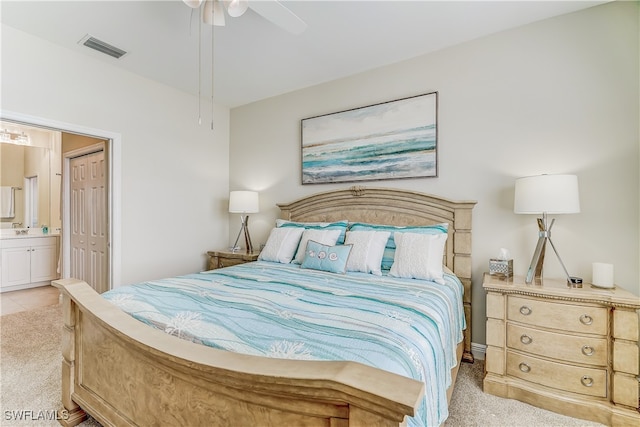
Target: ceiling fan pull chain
x,y
212,55
191,23
199,65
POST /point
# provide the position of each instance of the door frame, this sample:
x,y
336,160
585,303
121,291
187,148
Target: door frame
x,y
66,204
114,155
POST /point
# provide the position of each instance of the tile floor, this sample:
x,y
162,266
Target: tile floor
x,y
28,299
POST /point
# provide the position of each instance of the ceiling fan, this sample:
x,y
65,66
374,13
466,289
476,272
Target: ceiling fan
x,y
213,12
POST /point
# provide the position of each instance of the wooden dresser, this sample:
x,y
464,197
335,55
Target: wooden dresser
x,y
220,259
573,351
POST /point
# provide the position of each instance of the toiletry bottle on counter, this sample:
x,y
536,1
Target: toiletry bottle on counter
x,y
45,229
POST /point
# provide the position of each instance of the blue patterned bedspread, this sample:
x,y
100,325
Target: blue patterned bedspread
x,y
409,327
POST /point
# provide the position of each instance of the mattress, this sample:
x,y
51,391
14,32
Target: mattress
x,y
406,326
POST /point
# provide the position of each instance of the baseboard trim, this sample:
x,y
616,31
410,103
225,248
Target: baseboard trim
x,y
478,350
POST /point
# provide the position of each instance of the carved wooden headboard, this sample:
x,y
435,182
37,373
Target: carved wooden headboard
x,y
398,207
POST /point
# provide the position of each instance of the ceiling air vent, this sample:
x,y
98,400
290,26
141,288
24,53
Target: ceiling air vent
x,y
100,46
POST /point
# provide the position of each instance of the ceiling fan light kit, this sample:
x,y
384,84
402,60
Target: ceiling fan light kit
x,y
193,3
271,10
237,8
213,10
212,13
217,12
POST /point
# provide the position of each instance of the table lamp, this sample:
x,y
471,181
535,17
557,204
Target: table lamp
x,y
243,202
546,194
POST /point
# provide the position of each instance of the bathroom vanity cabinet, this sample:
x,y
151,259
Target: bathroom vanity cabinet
x,y
27,262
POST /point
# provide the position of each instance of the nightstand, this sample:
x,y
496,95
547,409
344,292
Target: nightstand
x,y
573,351
220,259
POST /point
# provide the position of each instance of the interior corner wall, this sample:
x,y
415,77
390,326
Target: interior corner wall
x,y
556,96
174,173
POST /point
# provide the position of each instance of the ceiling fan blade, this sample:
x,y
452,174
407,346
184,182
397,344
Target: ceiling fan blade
x,y
277,13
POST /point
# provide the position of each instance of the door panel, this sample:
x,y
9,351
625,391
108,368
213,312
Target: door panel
x,y
78,168
89,241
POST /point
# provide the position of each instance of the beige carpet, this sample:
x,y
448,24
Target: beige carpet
x,y
30,382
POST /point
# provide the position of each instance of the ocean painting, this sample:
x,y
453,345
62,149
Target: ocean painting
x,y
391,140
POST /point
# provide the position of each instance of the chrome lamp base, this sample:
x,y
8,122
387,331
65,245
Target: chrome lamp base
x,y
535,269
247,238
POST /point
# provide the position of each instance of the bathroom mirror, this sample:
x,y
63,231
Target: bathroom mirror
x,y
29,177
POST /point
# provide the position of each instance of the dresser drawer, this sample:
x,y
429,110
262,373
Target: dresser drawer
x,y
228,262
588,350
558,315
576,379
221,259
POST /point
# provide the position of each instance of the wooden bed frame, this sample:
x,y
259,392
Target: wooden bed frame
x,y
124,372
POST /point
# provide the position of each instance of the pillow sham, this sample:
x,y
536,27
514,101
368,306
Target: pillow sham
x,y
389,252
326,258
336,225
367,251
419,256
281,245
325,237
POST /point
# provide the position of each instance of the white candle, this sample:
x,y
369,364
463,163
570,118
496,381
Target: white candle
x,y
602,275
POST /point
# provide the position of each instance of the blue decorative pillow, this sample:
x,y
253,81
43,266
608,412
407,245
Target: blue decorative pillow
x,y
390,248
325,237
326,258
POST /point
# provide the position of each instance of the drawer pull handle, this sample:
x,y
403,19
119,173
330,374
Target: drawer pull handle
x,y
526,368
526,339
585,319
586,381
587,350
525,311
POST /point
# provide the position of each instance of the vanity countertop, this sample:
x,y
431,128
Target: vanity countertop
x,y
7,234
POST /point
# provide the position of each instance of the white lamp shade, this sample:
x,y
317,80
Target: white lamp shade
x,y
552,194
243,202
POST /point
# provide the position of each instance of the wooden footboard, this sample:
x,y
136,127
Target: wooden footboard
x,y
124,372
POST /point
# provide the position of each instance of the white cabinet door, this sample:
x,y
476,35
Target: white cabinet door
x,y
28,261
43,263
16,266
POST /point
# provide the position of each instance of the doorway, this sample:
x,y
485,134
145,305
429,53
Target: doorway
x,y
112,151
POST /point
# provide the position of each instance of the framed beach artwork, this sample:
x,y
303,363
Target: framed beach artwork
x,y
390,140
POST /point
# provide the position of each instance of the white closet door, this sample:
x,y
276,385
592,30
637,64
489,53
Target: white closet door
x,y
89,220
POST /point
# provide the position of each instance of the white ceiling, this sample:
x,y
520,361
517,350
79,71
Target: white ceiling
x,y
255,59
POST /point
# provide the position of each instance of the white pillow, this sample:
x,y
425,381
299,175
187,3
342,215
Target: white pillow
x,y
281,245
324,237
419,256
366,253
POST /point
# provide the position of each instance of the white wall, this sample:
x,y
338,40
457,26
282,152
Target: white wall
x,y
557,96
174,173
